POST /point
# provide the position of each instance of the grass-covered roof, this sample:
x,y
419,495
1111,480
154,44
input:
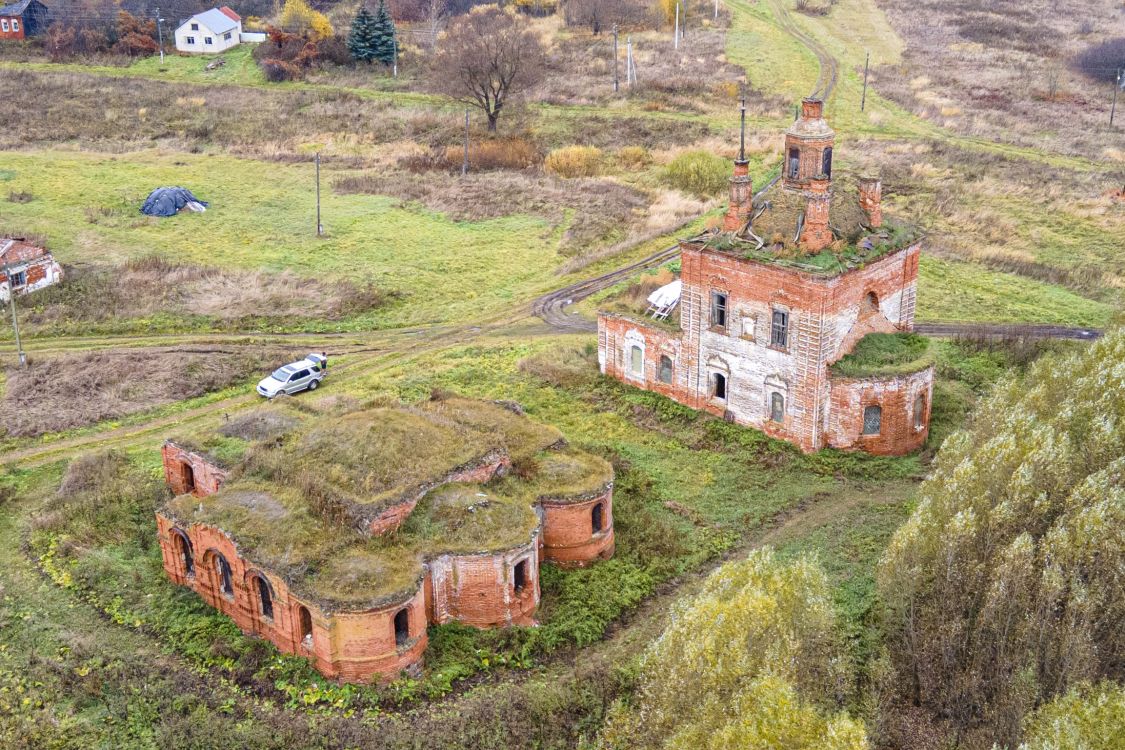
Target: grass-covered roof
x,y
299,473
884,354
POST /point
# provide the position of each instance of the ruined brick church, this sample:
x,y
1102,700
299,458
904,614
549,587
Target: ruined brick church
x,y
341,533
772,301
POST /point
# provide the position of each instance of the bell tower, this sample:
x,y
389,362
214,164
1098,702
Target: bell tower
x,y
741,188
808,147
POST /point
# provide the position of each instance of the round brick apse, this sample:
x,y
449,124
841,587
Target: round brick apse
x,y
486,590
887,416
578,532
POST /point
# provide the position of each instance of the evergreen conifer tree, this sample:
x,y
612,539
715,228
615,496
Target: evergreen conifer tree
x,y
384,35
362,40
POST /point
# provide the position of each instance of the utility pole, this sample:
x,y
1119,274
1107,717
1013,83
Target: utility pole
x,y
716,10
630,67
15,318
676,32
394,70
465,160
160,34
615,84
866,63
1116,86
319,227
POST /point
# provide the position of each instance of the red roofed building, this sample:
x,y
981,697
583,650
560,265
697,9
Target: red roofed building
x,y
25,267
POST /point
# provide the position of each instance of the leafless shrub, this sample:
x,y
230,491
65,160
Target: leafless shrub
x,y
21,196
1102,61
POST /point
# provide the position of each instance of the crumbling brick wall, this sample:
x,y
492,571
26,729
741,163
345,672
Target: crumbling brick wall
x,y
569,539
897,396
479,589
205,476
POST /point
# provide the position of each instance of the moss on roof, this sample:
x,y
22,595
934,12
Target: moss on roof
x,y
520,436
569,474
463,518
227,445
884,354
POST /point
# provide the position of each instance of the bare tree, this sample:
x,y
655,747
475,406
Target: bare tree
x,y
437,12
487,57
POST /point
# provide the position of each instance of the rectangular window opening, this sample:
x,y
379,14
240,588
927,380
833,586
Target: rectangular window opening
x,y
779,329
718,310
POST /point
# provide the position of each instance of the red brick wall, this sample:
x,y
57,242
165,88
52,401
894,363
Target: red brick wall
x,y
478,589
896,396
207,476
568,533
353,646
615,332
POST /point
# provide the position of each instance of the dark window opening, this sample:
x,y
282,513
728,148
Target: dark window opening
x,y
17,279
870,303
718,310
779,329
183,547
596,518
665,374
223,567
520,576
402,627
304,617
719,385
872,420
265,597
188,475
794,162
777,407
826,162
920,411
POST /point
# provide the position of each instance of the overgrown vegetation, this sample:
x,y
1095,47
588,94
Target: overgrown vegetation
x,y
885,354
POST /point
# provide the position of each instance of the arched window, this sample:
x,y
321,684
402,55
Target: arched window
x,y
402,626
304,618
777,407
870,303
794,162
872,420
265,598
919,411
183,549
665,373
519,576
222,567
597,518
826,162
719,385
636,360
187,475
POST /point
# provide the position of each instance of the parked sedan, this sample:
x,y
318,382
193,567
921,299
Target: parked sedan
x,y
295,377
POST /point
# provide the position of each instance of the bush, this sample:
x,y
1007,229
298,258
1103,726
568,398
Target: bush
x,y
634,157
1102,61
279,70
815,7
701,173
574,161
485,155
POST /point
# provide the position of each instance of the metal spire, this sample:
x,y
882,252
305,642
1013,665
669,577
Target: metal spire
x,y
742,131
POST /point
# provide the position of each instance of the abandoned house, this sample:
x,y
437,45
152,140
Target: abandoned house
x,y
778,308
23,20
341,533
25,267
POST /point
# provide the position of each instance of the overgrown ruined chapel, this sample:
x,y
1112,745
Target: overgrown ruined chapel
x,y
794,279
340,533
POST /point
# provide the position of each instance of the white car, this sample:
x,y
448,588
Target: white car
x,y
295,377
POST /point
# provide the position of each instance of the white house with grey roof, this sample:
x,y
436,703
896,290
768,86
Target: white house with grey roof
x,y
211,31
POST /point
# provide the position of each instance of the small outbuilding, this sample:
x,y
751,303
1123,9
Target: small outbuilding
x,y
25,267
169,201
211,31
23,19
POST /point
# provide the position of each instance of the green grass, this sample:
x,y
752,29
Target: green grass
x,y
878,354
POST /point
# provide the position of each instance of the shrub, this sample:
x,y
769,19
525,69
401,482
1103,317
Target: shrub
x,y
701,173
1102,61
574,161
297,16
634,157
484,155
1090,718
279,70
814,7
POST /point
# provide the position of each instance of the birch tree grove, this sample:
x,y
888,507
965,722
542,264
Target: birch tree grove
x,y
1007,585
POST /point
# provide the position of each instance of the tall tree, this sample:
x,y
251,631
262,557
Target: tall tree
x,y
487,57
361,38
383,32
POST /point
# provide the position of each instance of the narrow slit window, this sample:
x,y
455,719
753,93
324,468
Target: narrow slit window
x,y
718,310
519,576
872,420
826,162
665,374
223,568
264,597
183,546
919,411
779,329
188,475
596,518
402,627
794,162
304,617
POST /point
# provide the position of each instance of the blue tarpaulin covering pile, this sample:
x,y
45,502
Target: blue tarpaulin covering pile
x,y
169,201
